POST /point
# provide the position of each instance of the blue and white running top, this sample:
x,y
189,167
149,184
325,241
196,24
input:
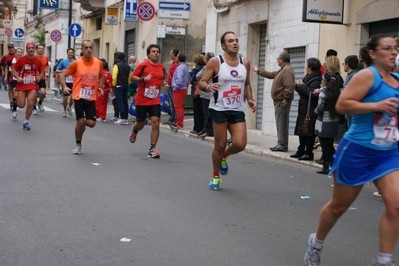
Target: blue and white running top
x,y
365,129
230,96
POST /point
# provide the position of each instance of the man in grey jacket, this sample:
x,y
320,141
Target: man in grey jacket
x,y
282,93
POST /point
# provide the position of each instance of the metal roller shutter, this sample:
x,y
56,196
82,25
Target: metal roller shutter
x,y
261,80
298,62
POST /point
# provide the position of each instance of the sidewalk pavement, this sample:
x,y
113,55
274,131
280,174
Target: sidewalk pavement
x,y
259,144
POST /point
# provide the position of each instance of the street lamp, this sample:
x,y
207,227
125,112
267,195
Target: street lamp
x,y
15,12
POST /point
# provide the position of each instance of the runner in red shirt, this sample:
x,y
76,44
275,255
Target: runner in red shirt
x,y
4,64
42,83
28,71
151,76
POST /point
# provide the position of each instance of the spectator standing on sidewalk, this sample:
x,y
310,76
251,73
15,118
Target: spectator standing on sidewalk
x,y
132,87
180,83
102,100
199,63
366,153
120,82
205,99
172,69
87,72
28,71
310,84
231,87
327,122
282,93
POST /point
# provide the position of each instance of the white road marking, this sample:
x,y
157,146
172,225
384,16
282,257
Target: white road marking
x,y
46,109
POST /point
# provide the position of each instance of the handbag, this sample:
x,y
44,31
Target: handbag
x,y
197,90
307,126
132,108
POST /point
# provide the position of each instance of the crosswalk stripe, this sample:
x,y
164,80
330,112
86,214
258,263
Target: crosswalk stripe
x,y
46,109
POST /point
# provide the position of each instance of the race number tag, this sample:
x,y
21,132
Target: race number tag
x,y
86,92
232,98
385,134
69,79
151,92
29,79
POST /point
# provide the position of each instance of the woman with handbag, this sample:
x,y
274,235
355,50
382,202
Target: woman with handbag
x,y
327,122
304,127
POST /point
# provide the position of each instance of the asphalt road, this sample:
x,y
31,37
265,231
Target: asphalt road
x,y
60,209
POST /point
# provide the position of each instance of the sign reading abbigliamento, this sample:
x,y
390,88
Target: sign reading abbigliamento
x,y
323,11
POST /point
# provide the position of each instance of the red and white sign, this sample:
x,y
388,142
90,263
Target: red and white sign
x,y
8,31
56,36
145,11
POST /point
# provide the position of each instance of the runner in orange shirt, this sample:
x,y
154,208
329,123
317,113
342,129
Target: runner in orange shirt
x,y
87,72
42,83
28,71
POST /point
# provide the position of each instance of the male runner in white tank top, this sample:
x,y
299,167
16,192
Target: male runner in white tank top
x,y
231,87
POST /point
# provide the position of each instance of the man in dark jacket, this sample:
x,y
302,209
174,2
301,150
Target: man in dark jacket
x,y
120,82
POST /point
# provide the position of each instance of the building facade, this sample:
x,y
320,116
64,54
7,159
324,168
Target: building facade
x,y
266,28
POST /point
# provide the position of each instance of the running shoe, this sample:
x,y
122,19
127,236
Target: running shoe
x,y
40,106
64,114
114,118
121,122
153,153
69,111
224,167
375,263
215,183
312,255
34,112
376,194
78,149
133,136
26,126
99,119
14,114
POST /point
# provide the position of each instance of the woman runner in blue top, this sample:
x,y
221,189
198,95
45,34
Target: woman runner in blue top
x,y
371,98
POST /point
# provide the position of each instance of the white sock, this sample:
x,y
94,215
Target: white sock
x,y
384,258
318,244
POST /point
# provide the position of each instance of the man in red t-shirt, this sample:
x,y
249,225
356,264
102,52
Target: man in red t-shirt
x,y
151,76
42,83
28,71
5,63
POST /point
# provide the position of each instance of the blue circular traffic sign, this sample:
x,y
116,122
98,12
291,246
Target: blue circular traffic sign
x,y
145,11
19,32
75,30
55,36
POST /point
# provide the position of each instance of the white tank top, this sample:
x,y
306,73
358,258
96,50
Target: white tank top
x,y
230,96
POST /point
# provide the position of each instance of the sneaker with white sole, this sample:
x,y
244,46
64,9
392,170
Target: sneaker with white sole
x,y
26,126
69,109
114,118
122,122
377,194
78,149
34,112
64,114
99,119
312,255
14,114
153,153
40,106
375,263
